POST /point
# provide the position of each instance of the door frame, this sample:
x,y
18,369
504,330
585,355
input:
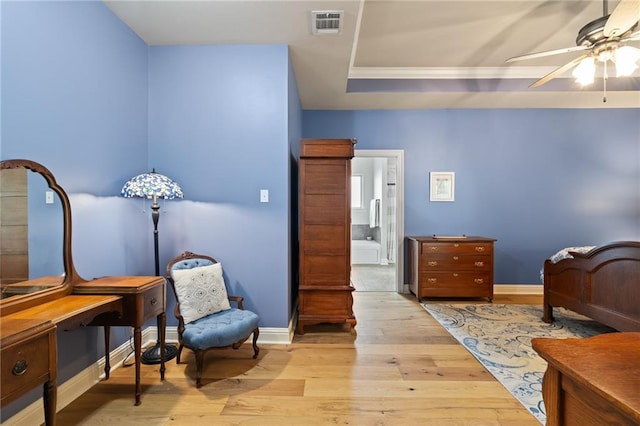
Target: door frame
x,y
398,154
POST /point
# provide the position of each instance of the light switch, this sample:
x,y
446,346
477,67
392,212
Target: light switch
x,y
48,197
264,195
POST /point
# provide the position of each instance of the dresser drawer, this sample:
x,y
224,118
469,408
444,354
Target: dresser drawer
x,y
25,365
428,248
455,262
455,279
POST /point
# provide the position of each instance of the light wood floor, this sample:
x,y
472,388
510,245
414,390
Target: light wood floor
x,y
400,368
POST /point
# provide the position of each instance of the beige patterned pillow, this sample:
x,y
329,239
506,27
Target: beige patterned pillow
x,y
201,291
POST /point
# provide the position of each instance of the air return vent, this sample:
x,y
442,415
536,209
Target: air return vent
x,y
326,21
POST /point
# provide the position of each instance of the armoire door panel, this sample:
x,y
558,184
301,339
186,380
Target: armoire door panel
x,y
324,268
328,209
325,238
327,178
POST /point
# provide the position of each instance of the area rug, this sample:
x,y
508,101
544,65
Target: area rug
x,y
499,336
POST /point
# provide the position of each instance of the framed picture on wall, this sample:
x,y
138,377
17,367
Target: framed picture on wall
x,y
442,186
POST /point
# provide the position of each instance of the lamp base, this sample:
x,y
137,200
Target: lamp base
x,y
152,355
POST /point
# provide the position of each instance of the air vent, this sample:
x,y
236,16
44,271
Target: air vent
x,y
326,21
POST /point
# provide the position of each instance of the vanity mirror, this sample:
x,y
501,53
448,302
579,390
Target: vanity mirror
x,y
35,248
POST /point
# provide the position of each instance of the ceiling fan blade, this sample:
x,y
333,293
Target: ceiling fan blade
x,y
547,53
558,71
623,17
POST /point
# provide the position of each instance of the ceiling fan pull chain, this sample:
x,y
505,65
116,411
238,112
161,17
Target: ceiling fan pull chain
x,y
604,95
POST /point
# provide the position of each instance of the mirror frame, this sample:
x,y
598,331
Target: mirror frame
x,y
71,277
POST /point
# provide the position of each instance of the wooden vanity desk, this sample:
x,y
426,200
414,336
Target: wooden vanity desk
x,y
33,309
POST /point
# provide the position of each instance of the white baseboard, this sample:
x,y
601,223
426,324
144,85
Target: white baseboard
x,y
524,289
68,391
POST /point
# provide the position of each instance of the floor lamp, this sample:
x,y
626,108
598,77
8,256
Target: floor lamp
x,y
153,186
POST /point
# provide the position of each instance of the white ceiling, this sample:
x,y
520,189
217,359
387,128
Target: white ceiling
x,y
394,54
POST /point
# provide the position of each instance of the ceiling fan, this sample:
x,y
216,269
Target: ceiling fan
x,y
605,39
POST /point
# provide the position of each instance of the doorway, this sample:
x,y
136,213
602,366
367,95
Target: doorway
x,y
377,220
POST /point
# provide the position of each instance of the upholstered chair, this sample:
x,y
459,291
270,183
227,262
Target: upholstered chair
x,y
206,319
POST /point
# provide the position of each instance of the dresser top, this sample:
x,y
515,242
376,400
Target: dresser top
x,y
450,238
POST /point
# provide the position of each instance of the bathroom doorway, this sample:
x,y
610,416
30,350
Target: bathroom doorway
x,y
377,220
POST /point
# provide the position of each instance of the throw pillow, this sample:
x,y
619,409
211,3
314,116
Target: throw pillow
x,y
201,291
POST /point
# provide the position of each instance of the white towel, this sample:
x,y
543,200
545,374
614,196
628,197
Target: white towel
x,y
374,213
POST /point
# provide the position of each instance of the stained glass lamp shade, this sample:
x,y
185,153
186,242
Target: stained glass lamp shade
x,y
151,185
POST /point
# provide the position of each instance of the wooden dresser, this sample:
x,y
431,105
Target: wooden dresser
x,y
325,290
451,266
593,381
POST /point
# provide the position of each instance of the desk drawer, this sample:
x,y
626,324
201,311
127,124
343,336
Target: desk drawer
x,y
153,302
25,365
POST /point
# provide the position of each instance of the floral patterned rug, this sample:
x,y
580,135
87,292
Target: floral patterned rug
x,y
499,336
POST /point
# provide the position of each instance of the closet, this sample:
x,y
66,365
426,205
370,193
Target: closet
x,y
325,290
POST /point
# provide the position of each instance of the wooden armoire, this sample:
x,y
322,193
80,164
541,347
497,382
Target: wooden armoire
x,y
325,290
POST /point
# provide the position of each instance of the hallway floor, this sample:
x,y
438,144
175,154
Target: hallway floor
x,y
373,277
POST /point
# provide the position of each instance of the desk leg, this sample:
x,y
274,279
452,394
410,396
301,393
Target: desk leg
x,y
107,362
162,322
50,400
137,343
551,395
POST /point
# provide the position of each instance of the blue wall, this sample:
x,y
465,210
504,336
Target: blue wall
x,y
218,126
536,180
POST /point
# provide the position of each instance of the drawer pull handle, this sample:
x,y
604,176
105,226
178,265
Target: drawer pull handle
x,y
432,280
154,301
478,281
455,274
456,245
455,257
433,248
479,249
19,368
479,264
432,263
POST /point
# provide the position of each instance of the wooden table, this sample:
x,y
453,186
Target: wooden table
x,y
143,298
593,381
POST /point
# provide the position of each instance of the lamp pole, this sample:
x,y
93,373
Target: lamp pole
x,y
155,354
155,216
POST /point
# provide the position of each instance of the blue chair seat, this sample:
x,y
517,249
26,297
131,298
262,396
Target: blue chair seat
x,y
220,329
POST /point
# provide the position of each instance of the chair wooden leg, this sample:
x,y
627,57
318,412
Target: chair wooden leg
x,y
256,349
199,366
179,353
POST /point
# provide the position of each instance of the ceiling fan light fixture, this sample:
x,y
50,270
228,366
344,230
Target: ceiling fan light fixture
x,y
626,58
585,72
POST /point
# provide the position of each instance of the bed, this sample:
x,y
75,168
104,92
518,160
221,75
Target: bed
x,y
602,283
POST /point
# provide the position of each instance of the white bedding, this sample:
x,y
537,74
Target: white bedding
x,y
564,254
